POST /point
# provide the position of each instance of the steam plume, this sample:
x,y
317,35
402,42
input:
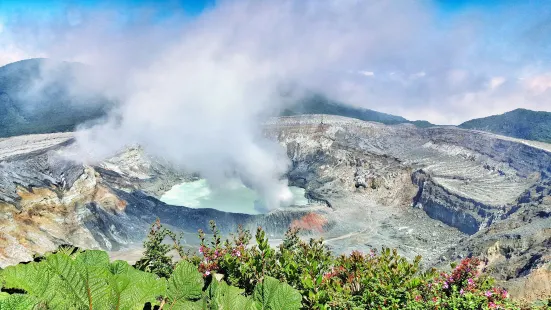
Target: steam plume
x,y
195,90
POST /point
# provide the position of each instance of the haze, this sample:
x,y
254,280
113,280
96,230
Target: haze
x,y
194,88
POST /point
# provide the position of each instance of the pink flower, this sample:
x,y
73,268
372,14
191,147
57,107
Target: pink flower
x,y
488,294
417,298
470,281
445,285
504,294
201,249
492,305
237,253
461,292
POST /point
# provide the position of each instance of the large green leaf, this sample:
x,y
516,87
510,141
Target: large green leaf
x,y
85,281
27,277
270,294
37,281
93,267
225,297
286,298
71,283
185,284
131,289
18,302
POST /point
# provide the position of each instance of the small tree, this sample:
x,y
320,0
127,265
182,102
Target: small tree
x,y
156,258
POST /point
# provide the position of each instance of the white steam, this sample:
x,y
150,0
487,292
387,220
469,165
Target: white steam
x,y
201,102
195,90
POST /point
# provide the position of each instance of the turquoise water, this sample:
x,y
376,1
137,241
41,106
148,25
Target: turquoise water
x,y
232,197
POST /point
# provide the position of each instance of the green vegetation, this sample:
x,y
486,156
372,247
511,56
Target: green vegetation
x,y
31,104
156,258
87,280
237,274
520,123
318,104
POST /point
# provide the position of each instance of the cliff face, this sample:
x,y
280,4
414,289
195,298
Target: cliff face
x,y
494,190
462,178
443,193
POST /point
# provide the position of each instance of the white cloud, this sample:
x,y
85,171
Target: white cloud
x,y
457,76
497,81
538,84
199,99
366,73
195,91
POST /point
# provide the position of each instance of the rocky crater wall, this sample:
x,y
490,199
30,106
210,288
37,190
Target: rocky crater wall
x,y
463,178
365,176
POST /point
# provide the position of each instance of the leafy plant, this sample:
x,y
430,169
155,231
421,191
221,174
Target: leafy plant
x,y
85,281
184,286
235,274
376,280
273,295
220,296
156,258
16,302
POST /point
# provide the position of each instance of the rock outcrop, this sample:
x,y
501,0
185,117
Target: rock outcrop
x,y
495,190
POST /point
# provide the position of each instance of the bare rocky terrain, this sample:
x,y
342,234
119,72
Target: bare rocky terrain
x,y
440,192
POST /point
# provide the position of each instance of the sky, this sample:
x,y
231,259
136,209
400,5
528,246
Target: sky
x,y
492,42
194,81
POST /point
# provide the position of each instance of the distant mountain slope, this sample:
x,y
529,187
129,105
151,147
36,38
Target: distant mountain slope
x,y
318,104
38,96
519,123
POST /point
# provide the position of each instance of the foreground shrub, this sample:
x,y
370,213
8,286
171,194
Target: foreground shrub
x,y
87,280
235,274
463,288
376,280
156,258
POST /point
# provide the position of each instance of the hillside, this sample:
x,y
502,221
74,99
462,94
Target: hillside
x,y
519,123
40,96
318,104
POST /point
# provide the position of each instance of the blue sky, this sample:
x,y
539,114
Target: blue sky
x,y
459,5
446,10
48,7
52,7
